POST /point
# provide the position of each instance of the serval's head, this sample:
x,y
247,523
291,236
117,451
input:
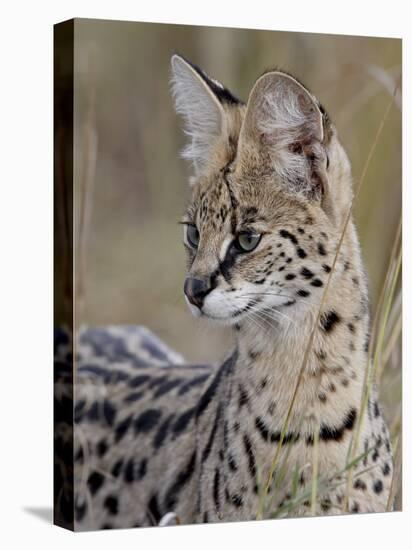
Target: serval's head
x,y
270,187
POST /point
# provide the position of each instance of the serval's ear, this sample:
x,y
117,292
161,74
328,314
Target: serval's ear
x,y
200,100
284,128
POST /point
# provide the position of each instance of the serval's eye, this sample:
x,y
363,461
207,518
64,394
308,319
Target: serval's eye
x,y
247,241
192,235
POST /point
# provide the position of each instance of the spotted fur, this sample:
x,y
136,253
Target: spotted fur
x,y
154,436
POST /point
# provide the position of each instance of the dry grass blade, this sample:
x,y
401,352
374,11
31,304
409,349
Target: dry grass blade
x,y
393,275
394,334
315,472
379,322
396,477
386,80
390,282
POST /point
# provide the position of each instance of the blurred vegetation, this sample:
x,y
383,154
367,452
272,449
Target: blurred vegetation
x,y
131,185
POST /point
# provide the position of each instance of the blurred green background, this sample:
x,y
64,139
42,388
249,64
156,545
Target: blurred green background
x,y
131,185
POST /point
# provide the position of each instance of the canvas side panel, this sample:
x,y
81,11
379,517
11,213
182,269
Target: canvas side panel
x,y
63,274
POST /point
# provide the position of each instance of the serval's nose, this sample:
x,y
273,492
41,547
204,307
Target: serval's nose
x,y
196,289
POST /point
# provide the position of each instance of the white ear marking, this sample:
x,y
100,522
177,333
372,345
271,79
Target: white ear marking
x,y
201,110
289,108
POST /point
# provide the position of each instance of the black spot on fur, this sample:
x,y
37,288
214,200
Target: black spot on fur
x,y
117,468
162,432
303,293
155,514
78,410
326,268
355,508
166,387
359,484
122,428
232,463
93,413
147,420
226,265
330,433
262,428
327,433
129,471
286,235
209,444
212,388
321,249
157,381
274,437
290,276
183,420
386,470
95,482
301,253
329,320
325,504
138,380
365,452
237,500
142,468
133,397
243,397
109,412
306,273
250,456
101,448
182,478
378,486
112,505
316,282
192,384
216,484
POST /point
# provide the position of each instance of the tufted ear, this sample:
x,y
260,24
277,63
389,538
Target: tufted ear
x,y
200,100
285,126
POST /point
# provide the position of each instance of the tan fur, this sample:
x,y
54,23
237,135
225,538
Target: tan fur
x,y
275,168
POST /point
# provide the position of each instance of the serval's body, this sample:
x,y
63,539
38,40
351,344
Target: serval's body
x,y
271,191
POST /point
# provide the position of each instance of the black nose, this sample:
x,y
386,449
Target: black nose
x,y
196,289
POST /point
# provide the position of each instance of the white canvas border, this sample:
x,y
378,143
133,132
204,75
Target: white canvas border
x,y
26,270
